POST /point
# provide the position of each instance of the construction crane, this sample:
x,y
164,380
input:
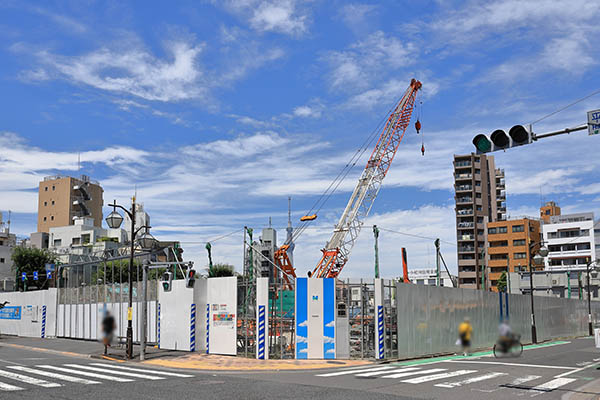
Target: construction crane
x,y
338,248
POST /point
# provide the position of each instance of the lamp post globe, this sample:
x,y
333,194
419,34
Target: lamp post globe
x,y
538,259
543,251
114,220
147,241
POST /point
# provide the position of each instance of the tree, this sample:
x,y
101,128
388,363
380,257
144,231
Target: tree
x,y
502,282
221,269
29,260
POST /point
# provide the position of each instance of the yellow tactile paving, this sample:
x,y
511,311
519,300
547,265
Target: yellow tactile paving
x,y
230,363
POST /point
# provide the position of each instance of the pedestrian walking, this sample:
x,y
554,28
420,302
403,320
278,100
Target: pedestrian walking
x,y
108,327
465,331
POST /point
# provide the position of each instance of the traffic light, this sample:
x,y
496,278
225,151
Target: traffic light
x,y
167,281
499,140
190,278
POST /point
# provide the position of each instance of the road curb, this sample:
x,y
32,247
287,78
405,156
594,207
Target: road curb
x,y
43,350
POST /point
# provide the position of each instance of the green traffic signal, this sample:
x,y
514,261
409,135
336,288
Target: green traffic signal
x,y
482,143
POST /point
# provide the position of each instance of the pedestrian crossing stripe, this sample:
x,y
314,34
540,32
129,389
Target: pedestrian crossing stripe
x,y
417,375
29,375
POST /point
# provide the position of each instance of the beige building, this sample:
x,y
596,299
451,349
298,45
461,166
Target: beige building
x,y
61,199
480,198
508,248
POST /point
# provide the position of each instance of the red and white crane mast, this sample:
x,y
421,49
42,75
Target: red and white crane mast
x,y
337,250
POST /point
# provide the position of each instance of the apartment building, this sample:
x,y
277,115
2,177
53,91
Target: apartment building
x,y
7,242
572,241
480,198
508,248
550,209
61,199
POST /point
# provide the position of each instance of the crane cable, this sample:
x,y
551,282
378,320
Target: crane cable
x,y
343,173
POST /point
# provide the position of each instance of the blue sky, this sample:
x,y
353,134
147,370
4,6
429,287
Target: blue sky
x,y
218,111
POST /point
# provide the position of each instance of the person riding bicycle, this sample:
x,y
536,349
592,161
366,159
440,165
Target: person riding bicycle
x,y
507,337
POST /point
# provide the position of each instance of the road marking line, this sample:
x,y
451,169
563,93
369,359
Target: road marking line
x,y
346,372
523,379
403,374
510,364
435,377
575,370
29,379
85,373
143,370
553,384
143,376
53,375
471,380
9,388
387,371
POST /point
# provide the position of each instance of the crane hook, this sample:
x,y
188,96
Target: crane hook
x,y
422,149
418,126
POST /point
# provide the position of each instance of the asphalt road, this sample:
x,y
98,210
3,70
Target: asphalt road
x,y
563,370
566,370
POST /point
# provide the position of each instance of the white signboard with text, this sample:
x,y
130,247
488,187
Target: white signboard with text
x,y
222,315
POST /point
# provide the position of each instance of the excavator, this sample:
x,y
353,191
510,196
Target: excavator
x,y
337,250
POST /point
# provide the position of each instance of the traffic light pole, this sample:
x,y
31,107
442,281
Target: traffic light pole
x,y
561,132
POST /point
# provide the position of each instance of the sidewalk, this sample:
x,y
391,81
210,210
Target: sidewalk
x,y
81,348
215,362
168,358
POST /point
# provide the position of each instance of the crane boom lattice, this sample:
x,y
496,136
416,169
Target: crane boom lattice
x,y
337,250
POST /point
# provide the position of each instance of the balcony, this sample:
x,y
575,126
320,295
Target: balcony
x,y
462,177
462,200
458,164
464,188
465,211
466,238
465,225
466,249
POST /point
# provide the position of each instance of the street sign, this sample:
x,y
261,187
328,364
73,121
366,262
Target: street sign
x,y
23,276
50,267
48,274
594,122
35,275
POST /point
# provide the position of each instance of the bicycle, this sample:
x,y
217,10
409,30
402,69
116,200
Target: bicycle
x,y
512,347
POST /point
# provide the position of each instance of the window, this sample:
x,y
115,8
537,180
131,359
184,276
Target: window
x,y
52,218
519,256
519,242
420,281
498,256
45,219
1,242
518,228
431,281
479,208
477,171
499,243
76,240
46,189
57,242
547,212
492,231
480,231
53,187
502,229
2,261
45,203
569,247
479,220
583,246
478,195
52,202
477,183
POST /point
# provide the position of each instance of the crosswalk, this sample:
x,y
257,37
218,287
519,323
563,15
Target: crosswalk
x,y
18,377
441,377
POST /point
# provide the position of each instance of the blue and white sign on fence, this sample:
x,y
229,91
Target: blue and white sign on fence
x,y
50,267
10,312
35,275
23,276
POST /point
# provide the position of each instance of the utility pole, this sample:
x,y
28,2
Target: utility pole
x,y
251,266
145,266
482,269
437,261
376,234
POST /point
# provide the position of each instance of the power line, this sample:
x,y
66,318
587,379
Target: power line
x,y
567,106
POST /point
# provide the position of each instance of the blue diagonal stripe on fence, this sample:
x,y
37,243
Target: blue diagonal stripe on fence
x,y
43,322
193,328
261,332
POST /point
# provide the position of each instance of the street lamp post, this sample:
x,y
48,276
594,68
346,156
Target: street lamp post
x,y
587,270
114,221
538,259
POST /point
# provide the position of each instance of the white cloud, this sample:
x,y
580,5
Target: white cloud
x,y
62,20
313,109
355,15
367,60
283,16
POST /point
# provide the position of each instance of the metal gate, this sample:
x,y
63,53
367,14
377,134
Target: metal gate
x,y
88,290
